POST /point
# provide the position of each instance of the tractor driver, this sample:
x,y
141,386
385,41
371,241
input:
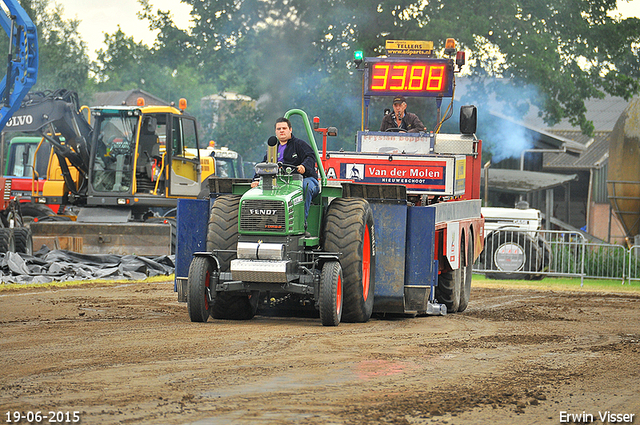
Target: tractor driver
x,y
404,122
294,151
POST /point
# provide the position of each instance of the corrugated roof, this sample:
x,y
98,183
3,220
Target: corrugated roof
x,y
517,181
597,151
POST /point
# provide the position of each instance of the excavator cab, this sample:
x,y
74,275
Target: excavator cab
x,y
149,151
113,154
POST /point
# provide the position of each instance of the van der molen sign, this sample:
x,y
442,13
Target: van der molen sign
x,y
409,48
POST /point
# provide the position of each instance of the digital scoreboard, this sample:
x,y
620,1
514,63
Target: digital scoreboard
x,y
391,76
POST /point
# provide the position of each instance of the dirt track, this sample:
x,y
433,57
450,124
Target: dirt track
x,y
128,354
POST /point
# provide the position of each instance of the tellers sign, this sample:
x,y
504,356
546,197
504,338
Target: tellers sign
x,y
409,76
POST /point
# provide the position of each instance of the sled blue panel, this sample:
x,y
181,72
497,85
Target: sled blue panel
x,y
390,232
419,269
191,220
421,230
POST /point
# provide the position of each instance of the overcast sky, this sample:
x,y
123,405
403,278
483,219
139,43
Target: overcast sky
x,y
98,17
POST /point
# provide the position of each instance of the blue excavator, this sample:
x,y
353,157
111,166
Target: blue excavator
x,y
22,72
22,60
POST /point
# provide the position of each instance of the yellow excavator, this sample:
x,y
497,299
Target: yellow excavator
x,y
121,168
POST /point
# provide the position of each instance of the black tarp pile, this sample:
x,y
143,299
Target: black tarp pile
x,y
60,265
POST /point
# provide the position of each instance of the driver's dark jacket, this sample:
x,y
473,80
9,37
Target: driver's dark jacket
x,y
298,152
410,122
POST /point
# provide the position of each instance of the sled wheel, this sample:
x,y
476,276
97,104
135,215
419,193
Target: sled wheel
x,y
198,288
330,301
449,288
349,230
465,279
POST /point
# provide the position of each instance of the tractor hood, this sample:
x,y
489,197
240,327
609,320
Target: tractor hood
x,y
275,211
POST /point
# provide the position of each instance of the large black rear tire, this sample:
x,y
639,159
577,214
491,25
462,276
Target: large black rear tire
x,y
222,233
330,301
349,229
222,230
198,288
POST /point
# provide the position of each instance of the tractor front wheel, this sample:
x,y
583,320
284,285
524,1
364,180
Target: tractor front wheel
x,y
330,301
199,289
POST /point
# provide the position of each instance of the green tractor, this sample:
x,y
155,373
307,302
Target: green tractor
x,y
259,253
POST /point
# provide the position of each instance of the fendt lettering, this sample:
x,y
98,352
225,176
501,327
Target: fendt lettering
x,y
21,120
263,212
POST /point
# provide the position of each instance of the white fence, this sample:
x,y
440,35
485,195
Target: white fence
x,y
510,253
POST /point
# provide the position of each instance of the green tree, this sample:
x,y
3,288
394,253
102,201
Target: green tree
x,y
123,64
62,57
571,50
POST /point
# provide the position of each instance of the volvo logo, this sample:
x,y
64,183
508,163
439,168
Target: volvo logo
x,y
21,120
262,211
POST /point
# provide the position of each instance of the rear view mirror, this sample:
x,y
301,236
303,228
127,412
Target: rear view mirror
x,y
468,119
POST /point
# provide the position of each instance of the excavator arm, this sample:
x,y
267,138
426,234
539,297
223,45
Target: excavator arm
x,y
22,60
56,116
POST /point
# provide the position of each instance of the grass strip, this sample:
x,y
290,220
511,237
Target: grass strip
x,y
559,284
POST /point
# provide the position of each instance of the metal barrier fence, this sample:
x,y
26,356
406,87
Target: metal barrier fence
x,y
511,253
633,272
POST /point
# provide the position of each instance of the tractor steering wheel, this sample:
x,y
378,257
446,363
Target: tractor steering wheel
x,y
287,168
395,130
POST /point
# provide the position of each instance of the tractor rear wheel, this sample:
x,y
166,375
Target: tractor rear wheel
x,y
222,230
199,289
330,301
349,229
222,233
449,288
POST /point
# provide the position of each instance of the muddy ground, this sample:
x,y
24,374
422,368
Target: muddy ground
x,y
127,353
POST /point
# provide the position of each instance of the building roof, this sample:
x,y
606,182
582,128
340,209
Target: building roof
x,y
593,151
604,114
595,155
521,182
126,97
